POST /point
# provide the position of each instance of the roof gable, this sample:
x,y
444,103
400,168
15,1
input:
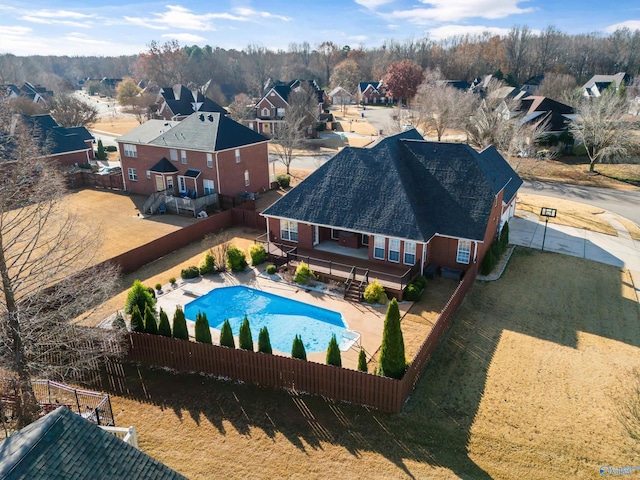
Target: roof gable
x,y
55,139
64,445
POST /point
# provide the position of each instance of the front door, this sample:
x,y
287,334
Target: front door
x,y
159,183
316,235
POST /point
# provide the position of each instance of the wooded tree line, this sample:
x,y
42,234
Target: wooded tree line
x,y
520,54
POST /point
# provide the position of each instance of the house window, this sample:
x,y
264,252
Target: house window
x,y
182,184
209,160
133,175
169,183
173,154
464,251
409,253
394,250
208,187
280,112
365,240
265,112
130,151
289,230
237,155
148,174
335,234
378,247
246,178
251,125
183,156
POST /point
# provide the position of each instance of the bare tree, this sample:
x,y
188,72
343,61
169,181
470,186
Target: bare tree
x,y
602,128
241,109
70,111
48,281
557,86
142,106
300,117
441,107
164,64
497,122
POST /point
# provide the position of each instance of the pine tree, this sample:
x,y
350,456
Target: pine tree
x,y
101,154
226,335
362,361
504,236
180,325
264,342
203,330
164,328
245,339
140,296
297,349
333,352
150,324
392,362
137,324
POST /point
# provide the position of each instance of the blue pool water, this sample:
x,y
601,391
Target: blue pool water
x,y
284,318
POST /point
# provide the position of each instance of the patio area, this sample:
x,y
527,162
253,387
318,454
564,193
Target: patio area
x,y
364,319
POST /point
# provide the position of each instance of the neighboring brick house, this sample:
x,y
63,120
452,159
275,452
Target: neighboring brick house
x,y
372,93
402,204
205,153
67,145
63,445
178,102
272,107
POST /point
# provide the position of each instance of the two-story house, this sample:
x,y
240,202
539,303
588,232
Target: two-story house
x,y
372,93
273,105
205,153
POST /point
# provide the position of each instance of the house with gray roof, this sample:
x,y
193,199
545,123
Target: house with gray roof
x,y
205,154
62,445
397,207
372,93
599,83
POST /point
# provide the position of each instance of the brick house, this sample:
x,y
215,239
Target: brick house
x,y
272,107
66,145
396,207
204,154
372,93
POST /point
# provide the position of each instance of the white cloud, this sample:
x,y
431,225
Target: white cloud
x,y
630,24
14,30
143,22
49,14
372,4
248,13
185,37
51,21
455,10
81,38
448,31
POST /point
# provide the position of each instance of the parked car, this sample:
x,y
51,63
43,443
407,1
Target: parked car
x,y
109,170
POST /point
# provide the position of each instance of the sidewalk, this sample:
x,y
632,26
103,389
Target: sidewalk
x,y
620,250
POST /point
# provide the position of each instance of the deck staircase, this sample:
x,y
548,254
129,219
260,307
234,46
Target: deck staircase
x,y
354,289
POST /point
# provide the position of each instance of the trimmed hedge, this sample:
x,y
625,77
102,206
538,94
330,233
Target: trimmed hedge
x,y
180,324
138,295
257,253
236,259
374,293
264,342
190,272
208,264
333,353
271,269
297,349
392,362
303,274
164,328
245,339
284,180
226,335
203,331
362,360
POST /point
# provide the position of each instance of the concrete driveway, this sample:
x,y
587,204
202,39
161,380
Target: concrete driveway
x,y
620,250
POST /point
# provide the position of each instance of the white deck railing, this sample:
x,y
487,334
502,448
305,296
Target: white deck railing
x,y
127,435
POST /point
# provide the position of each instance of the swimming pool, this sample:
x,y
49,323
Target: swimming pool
x,y
283,317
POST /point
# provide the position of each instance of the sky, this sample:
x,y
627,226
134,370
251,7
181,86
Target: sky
x,y
117,27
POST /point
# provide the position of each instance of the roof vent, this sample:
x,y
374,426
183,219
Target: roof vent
x,y
210,117
201,117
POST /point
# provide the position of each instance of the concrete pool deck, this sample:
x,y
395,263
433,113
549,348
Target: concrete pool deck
x,y
367,320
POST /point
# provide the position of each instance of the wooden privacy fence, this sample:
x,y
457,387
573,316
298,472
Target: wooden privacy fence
x,y
340,384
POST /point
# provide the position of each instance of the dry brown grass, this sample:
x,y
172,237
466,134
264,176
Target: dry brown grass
x,y
525,384
577,173
118,125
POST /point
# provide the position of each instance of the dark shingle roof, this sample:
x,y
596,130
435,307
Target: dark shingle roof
x,y
164,166
183,101
402,187
209,132
499,173
284,89
55,139
363,85
63,445
192,173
